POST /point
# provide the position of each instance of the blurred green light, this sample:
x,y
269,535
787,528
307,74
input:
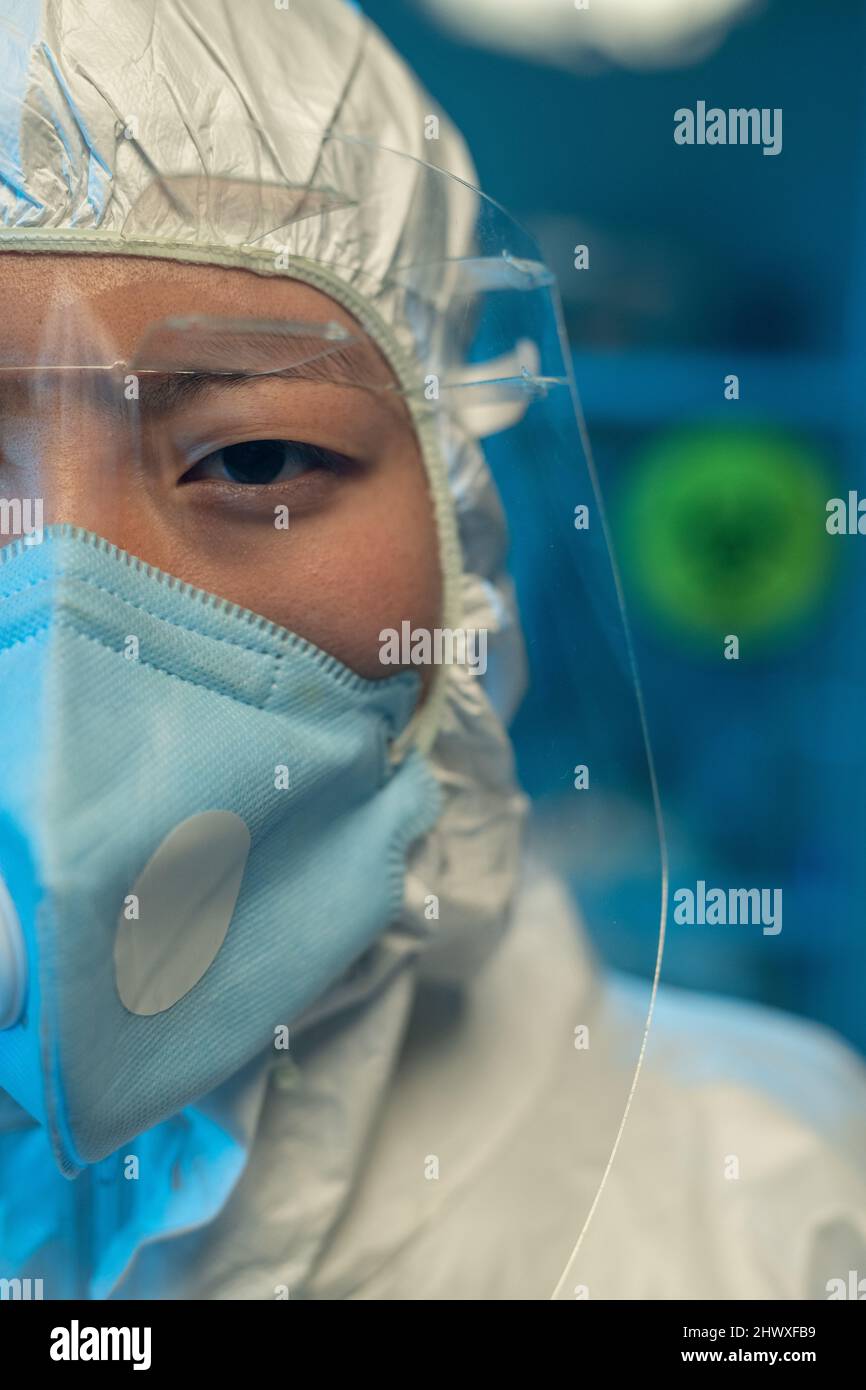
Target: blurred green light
x,y
724,532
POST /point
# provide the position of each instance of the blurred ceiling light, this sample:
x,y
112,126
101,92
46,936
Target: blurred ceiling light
x,y
635,33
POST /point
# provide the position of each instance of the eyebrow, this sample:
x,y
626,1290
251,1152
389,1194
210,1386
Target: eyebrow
x,y
104,389
170,390
162,392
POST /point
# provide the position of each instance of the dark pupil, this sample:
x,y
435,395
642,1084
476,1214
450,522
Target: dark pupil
x,y
255,460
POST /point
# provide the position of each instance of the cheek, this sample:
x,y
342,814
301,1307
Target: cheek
x,y
377,568
381,585
367,562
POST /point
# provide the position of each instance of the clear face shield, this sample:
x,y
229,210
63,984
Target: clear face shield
x,y
234,451
204,434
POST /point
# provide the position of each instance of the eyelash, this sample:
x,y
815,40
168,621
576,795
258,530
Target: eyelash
x,y
310,457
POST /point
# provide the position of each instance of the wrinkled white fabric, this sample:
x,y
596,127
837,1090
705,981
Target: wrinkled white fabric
x,y
493,1088
452,1039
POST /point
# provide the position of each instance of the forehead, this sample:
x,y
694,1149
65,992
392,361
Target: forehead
x,y
107,303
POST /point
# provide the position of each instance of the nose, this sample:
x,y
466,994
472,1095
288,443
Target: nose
x,y
83,491
60,463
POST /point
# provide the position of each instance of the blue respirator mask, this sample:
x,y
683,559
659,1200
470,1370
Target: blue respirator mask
x,y
202,824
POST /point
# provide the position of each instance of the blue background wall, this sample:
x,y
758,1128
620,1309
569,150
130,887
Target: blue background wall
x,y
704,262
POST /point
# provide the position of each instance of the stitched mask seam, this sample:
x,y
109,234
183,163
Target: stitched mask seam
x,y
138,607
345,678
159,670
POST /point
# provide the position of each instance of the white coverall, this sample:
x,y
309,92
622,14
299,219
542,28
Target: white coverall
x,y
437,1134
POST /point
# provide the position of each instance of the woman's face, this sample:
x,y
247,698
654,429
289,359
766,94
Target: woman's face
x,y
188,480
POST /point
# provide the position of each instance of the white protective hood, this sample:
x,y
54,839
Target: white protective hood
x,y
167,128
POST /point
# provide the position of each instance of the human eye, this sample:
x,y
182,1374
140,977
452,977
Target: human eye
x,y
265,462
